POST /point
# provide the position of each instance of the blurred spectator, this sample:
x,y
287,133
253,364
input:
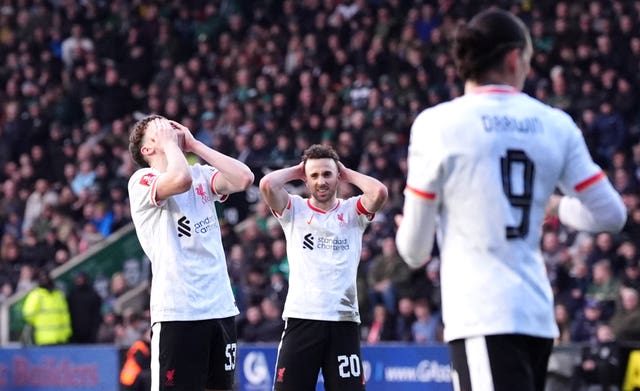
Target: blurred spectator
x,y
404,320
89,236
580,280
26,281
6,290
631,276
626,320
563,321
426,328
625,254
604,287
599,362
84,178
272,325
107,329
117,287
41,196
381,328
278,287
11,259
605,248
386,275
609,129
76,47
84,308
131,329
584,326
249,327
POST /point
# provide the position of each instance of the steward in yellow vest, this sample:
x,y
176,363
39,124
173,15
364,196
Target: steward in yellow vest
x,y
45,308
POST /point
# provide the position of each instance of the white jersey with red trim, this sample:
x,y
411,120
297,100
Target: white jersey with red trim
x,y
181,236
323,248
490,160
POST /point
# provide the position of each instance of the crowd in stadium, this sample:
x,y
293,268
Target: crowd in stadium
x,y
261,81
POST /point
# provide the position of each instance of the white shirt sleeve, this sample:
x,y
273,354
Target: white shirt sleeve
x,y
590,202
415,235
597,208
417,231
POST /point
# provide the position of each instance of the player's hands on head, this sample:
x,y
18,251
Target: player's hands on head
x,y
185,137
299,171
343,175
163,133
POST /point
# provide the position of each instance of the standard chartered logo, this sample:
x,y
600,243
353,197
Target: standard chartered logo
x,y
334,244
200,227
310,242
205,225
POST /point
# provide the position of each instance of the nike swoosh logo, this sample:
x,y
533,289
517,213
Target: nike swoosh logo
x,y
310,218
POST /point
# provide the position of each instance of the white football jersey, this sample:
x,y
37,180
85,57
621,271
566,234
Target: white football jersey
x,y
323,248
181,236
491,159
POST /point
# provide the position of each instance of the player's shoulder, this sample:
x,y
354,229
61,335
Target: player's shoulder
x,y
550,114
439,112
143,176
429,123
199,167
347,203
296,201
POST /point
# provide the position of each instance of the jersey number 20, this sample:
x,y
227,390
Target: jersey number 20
x,y
515,164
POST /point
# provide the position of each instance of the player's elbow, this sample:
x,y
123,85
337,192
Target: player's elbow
x,y
615,219
411,258
246,179
382,195
377,197
182,182
265,185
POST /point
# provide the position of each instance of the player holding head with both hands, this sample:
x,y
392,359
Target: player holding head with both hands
x,y
324,239
193,310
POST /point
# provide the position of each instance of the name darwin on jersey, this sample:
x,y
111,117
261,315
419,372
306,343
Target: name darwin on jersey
x,y
506,123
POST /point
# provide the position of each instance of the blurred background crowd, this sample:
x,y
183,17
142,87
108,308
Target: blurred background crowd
x,y
261,81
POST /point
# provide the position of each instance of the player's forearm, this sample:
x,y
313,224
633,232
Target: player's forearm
x,y
278,178
238,176
272,187
375,193
596,209
415,236
177,167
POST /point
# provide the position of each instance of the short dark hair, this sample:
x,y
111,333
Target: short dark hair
x,y
135,139
320,151
481,44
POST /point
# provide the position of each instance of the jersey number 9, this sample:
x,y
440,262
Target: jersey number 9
x,y
517,168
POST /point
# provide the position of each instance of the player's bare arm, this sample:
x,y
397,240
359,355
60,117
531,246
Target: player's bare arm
x,y
176,177
272,186
375,193
234,175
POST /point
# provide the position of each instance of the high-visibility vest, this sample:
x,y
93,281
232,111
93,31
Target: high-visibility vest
x,y
632,377
131,369
47,311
